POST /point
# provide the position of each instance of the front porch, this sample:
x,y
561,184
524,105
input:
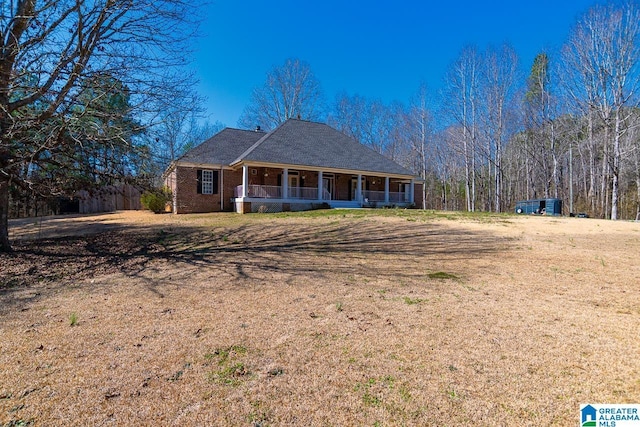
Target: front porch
x,y
267,189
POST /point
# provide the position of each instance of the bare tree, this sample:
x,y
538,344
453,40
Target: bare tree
x,y
348,115
420,129
541,154
462,103
634,138
603,53
290,91
370,122
176,125
178,132
182,126
500,67
50,53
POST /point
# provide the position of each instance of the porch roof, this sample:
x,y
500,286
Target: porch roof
x,y
317,145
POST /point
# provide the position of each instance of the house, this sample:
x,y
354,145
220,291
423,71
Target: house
x,y
297,166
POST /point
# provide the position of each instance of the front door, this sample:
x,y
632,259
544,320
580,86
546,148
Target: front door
x,y
354,188
328,185
407,192
294,186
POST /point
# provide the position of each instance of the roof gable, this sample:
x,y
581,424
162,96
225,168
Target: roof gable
x,y
222,148
298,142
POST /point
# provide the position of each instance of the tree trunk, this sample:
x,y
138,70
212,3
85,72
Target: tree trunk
x,y
554,158
423,157
604,182
467,177
473,182
498,178
5,246
474,148
465,145
527,172
581,184
616,168
592,167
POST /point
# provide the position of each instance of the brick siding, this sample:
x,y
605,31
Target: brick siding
x,y
183,182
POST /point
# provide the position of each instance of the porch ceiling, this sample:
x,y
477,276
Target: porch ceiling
x,y
323,169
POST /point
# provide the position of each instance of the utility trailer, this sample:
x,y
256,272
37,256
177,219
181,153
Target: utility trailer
x,y
539,207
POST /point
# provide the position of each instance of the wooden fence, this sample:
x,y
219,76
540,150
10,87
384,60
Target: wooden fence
x,y
105,199
108,199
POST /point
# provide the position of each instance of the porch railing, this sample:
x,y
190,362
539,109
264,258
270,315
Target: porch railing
x,y
275,192
260,191
304,193
399,197
378,196
311,193
373,196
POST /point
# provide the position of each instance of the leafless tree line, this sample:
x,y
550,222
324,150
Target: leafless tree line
x,y
565,128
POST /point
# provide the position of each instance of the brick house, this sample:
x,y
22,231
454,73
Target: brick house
x,y
297,166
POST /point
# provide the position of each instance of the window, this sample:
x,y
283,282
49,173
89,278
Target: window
x,y
207,181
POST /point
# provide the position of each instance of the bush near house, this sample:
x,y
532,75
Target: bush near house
x,y
156,200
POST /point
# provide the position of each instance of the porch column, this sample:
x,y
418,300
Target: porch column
x,y
411,191
245,181
320,186
221,189
285,183
386,189
359,189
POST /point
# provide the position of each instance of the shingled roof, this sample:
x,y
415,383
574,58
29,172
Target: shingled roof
x,y
223,148
317,145
295,142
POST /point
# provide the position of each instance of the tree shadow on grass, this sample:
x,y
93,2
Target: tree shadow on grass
x,y
249,253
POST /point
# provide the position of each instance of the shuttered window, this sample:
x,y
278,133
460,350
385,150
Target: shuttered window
x,y
207,181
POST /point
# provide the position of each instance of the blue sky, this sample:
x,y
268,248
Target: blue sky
x,y
379,49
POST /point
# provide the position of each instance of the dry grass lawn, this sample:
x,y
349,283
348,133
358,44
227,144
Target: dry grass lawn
x,y
339,318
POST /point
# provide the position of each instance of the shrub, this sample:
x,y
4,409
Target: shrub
x,y
156,200
73,319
